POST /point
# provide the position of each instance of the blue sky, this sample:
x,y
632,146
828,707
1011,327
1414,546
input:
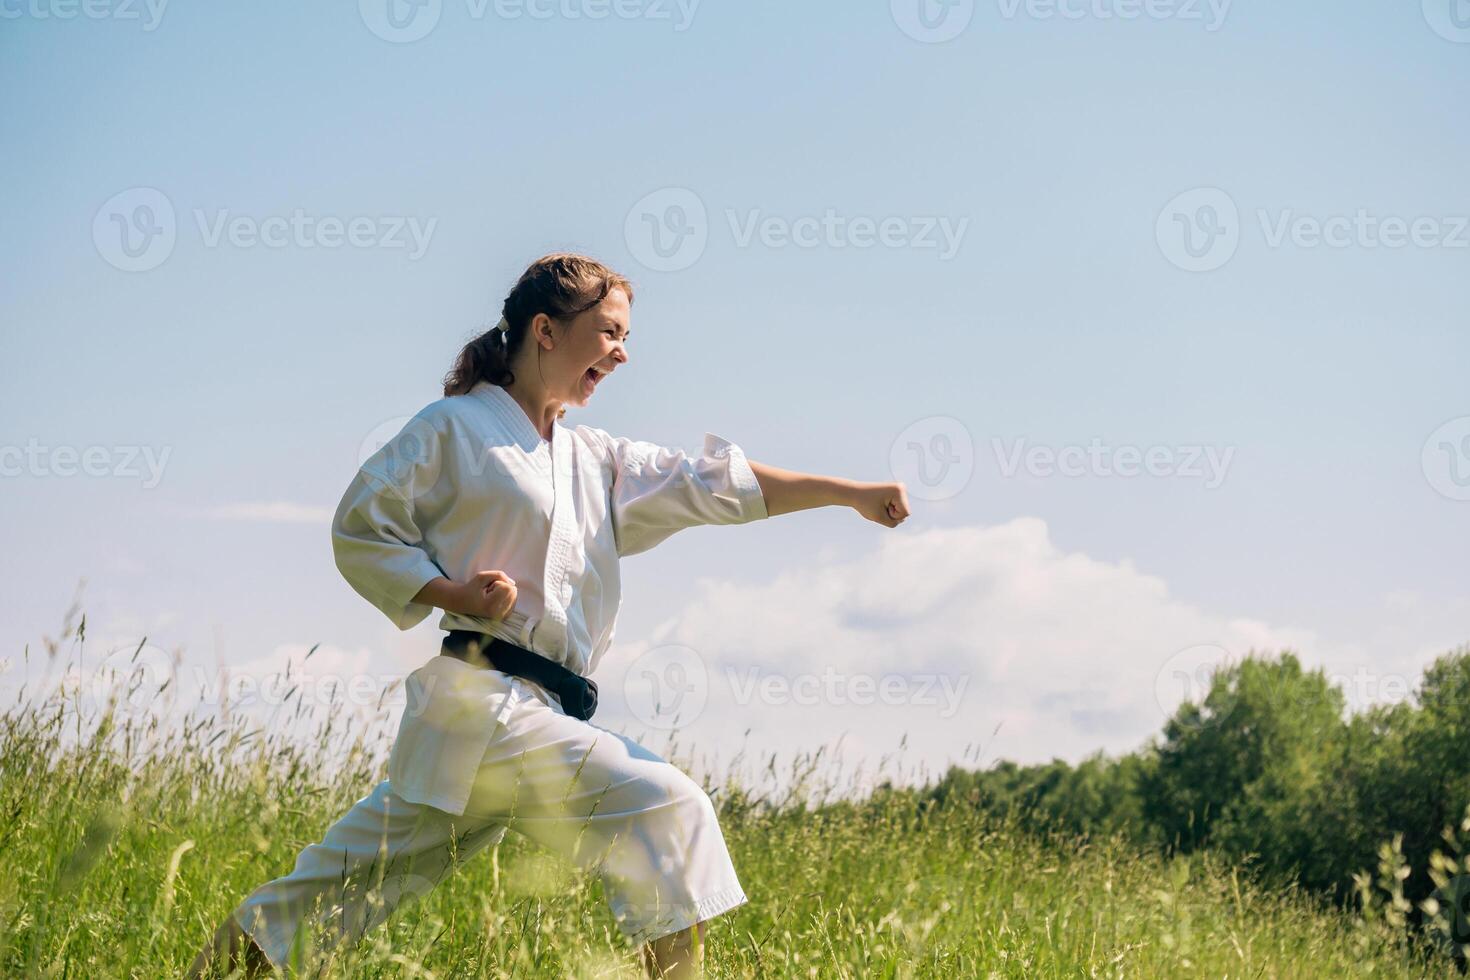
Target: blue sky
x,y
1065,152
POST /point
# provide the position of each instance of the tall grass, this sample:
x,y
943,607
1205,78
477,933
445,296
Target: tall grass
x,y
124,841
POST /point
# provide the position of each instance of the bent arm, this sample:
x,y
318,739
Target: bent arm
x,y
443,593
786,490
488,593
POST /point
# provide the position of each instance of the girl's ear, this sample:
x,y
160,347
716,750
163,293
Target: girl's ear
x,y
543,329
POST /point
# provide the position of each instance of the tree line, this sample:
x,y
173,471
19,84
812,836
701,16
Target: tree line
x,y
1270,769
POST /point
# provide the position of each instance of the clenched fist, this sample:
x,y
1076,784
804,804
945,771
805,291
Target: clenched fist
x,y
491,594
883,503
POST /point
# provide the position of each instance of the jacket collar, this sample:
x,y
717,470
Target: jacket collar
x,y
512,414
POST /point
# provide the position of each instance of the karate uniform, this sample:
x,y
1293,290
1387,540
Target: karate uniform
x,y
468,485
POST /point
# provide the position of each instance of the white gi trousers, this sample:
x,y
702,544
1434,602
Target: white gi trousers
x,y
597,798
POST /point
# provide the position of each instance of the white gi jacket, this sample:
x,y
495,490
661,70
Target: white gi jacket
x,y
470,484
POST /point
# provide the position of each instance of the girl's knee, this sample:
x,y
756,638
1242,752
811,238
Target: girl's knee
x,y
679,787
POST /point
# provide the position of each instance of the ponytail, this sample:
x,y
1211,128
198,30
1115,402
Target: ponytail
x,y
486,358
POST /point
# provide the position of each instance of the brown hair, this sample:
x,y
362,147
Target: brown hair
x,y
561,285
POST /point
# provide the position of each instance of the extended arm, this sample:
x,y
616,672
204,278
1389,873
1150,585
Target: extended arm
x,y
787,490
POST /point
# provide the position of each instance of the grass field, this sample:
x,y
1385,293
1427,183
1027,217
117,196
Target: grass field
x,y
122,845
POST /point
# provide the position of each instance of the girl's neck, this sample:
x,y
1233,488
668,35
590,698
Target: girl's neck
x,y
539,407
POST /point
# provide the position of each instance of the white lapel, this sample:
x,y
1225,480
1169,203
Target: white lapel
x,y
557,586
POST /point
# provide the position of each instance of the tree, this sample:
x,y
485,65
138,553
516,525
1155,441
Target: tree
x,y
1239,771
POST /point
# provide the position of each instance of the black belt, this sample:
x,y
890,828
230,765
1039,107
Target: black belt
x,y
577,694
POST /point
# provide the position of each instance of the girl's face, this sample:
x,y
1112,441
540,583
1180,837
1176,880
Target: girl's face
x,y
590,348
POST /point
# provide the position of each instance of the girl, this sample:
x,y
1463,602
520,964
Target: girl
x,y
486,506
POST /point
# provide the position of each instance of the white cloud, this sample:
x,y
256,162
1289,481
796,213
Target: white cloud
x,y
273,511
297,676
1065,653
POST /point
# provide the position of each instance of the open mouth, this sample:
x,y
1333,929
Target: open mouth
x,y
590,379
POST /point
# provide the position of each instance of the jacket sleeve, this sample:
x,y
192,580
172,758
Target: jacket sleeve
x,y
376,540
658,490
